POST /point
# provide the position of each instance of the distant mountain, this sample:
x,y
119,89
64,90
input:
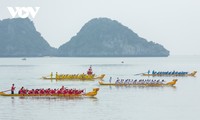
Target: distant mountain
x,y
103,37
19,38
100,37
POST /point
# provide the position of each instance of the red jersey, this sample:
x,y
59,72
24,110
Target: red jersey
x,y
12,88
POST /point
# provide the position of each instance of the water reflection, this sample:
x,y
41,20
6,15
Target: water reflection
x,y
70,80
13,101
142,87
56,98
114,102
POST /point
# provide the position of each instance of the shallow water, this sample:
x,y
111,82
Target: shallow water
x,y
119,103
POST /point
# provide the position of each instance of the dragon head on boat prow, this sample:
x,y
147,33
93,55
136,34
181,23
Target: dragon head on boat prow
x,y
93,93
173,82
193,73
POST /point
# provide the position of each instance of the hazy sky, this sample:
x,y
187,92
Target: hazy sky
x,y
173,23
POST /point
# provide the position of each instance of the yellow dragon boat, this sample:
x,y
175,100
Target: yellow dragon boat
x,y
73,77
173,74
88,76
88,94
172,83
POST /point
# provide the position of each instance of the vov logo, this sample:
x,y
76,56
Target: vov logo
x,y
23,12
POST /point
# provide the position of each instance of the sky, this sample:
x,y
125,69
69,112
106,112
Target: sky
x,y
173,23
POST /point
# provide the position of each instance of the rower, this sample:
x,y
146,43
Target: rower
x,y
148,72
36,91
132,81
117,81
42,91
127,81
152,81
122,81
62,87
52,91
158,81
89,72
56,75
30,92
12,88
21,91
110,79
135,81
51,75
162,81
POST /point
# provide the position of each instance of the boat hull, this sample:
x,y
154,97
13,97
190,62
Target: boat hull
x,y
87,78
172,83
89,94
171,75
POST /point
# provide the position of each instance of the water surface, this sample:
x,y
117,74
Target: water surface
x,y
119,103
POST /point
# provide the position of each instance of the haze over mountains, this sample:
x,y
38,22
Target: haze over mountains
x,y
100,37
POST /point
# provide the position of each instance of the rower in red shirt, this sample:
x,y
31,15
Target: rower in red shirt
x,y
42,91
21,91
12,88
59,91
89,72
62,88
36,91
30,91
52,91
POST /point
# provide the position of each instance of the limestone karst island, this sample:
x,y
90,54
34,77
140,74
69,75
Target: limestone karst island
x,y
100,37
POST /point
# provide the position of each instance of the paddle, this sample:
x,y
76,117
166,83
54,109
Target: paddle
x,y
140,73
5,90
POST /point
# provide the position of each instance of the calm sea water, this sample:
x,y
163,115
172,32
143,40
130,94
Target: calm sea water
x,y
112,103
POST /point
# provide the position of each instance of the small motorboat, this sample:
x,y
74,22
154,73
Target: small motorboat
x,y
23,58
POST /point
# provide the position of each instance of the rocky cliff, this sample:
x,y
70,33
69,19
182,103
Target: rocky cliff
x,y
19,38
103,37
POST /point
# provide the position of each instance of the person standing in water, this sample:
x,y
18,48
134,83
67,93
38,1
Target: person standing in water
x,y
12,88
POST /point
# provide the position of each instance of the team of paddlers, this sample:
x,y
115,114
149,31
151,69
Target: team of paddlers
x,y
140,81
89,75
168,72
74,76
50,91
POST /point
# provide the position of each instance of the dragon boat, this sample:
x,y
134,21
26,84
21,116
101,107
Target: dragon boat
x,y
171,83
88,94
88,76
74,77
172,73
